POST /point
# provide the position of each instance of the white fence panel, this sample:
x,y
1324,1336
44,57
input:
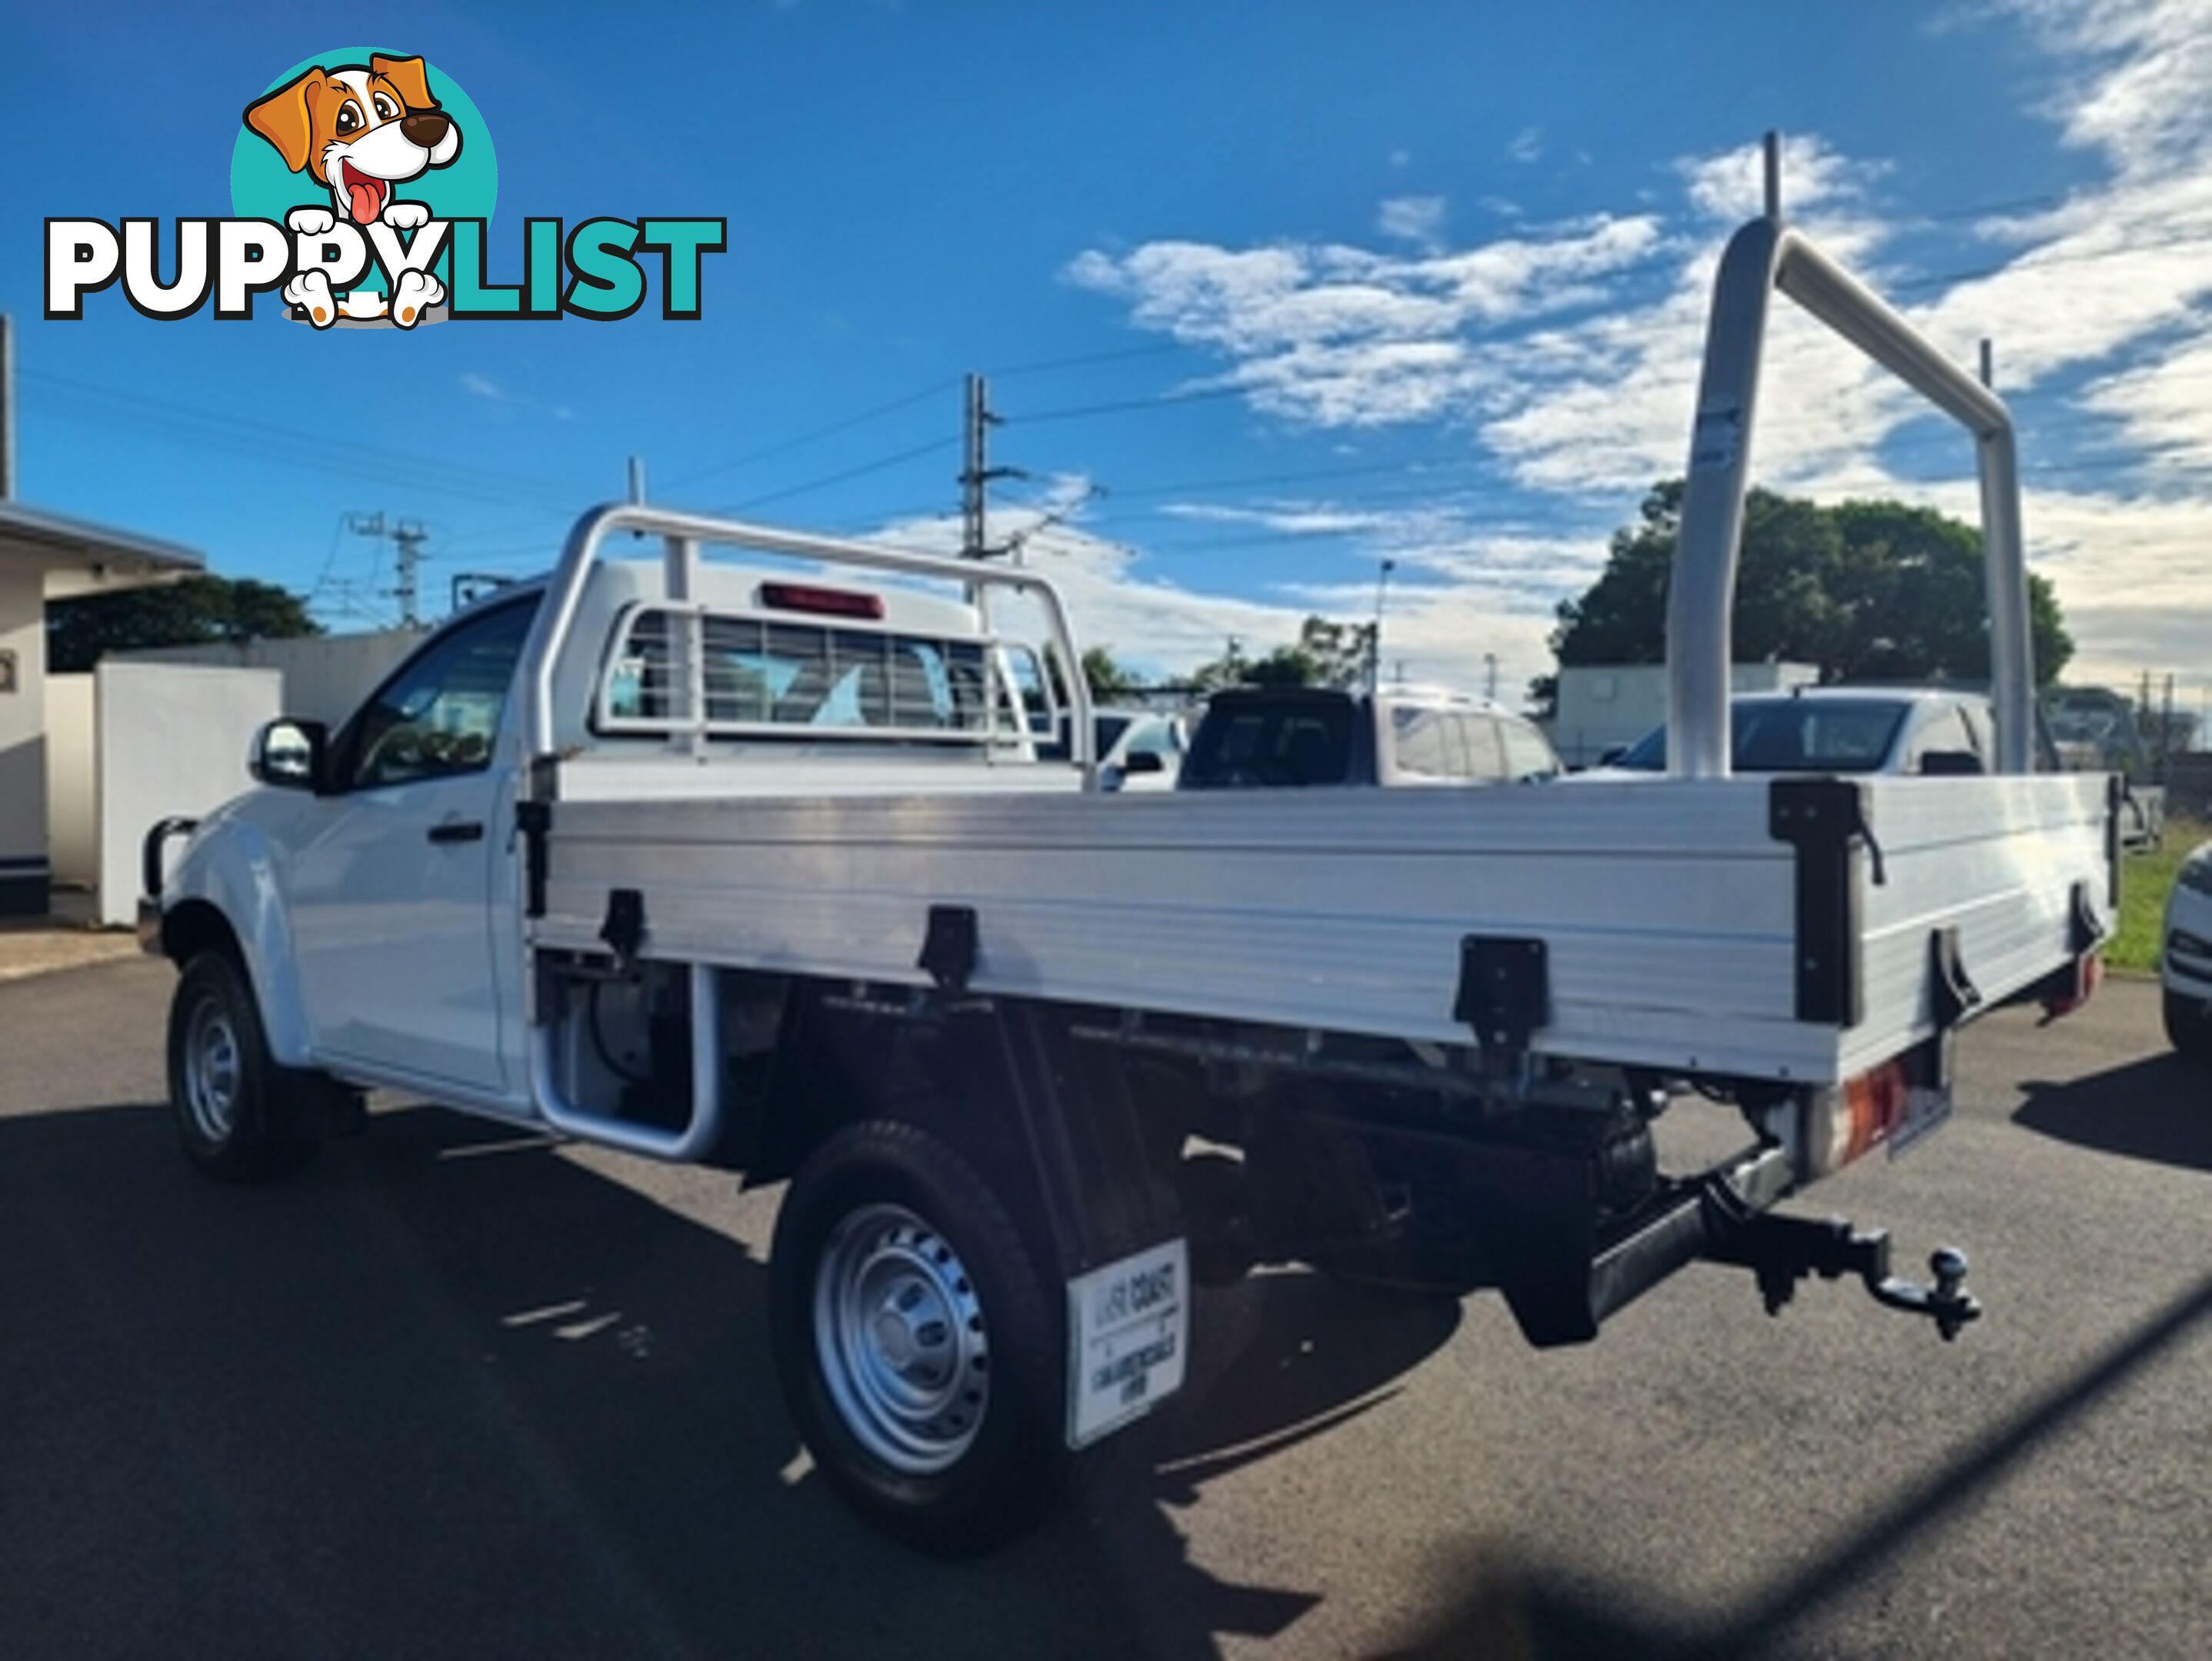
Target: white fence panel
x,y
173,739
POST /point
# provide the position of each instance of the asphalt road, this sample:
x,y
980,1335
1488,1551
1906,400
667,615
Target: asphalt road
x,y
454,1394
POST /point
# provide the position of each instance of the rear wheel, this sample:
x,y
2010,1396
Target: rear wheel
x,y
241,1116
2189,1024
915,1341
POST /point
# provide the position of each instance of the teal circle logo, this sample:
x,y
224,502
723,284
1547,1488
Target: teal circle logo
x,y
393,130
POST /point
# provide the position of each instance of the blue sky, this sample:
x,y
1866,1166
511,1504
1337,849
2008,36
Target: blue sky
x,y
1428,276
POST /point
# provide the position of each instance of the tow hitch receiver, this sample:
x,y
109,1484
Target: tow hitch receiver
x,y
1782,1251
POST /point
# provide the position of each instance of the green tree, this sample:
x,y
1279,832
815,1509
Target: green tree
x,y
1326,654
1109,681
1864,591
195,611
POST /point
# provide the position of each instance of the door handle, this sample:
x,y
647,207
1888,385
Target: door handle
x,y
457,830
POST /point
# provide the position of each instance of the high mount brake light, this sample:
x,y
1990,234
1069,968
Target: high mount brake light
x,y
824,602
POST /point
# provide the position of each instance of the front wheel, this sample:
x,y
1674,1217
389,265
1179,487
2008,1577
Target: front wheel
x,y
238,1115
2189,1024
915,1341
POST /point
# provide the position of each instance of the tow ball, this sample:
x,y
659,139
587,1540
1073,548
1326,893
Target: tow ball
x,y
1782,1251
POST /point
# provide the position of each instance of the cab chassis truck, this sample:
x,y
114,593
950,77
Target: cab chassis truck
x,y
1033,1054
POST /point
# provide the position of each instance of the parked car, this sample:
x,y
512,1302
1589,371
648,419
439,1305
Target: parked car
x,y
1145,751
1303,736
2185,969
1844,730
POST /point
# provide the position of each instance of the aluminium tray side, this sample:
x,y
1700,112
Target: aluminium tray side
x,y
1666,907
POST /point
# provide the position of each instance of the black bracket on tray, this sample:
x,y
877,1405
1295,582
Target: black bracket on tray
x,y
623,928
1952,989
948,947
1504,990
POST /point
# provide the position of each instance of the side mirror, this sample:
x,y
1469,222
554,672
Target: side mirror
x,y
1950,764
289,754
1143,761
1611,754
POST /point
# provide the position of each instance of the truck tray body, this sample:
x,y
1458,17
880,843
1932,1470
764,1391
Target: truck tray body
x,y
1670,910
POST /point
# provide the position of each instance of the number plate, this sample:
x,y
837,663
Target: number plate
x,y
1129,1329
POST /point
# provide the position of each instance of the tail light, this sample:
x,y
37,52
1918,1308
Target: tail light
x,y
2089,971
1891,1105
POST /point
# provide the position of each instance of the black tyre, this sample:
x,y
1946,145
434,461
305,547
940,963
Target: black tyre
x,y
241,1117
916,1342
2189,1024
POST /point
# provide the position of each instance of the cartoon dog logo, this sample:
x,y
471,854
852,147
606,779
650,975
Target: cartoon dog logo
x,y
361,131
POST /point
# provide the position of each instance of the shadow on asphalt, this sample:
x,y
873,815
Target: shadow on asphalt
x,y
1539,1613
453,1392
2157,1108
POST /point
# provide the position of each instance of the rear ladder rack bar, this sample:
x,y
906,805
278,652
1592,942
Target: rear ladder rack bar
x,y
1764,256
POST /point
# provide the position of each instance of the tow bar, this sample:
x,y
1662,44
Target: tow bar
x,y
1782,1251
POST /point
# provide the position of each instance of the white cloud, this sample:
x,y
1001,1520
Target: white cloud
x,y
1336,336
1415,219
2163,408
1401,158
484,386
1461,593
1528,145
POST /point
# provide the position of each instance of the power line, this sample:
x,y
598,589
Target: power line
x,y
847,425
326,461
283,433
839,477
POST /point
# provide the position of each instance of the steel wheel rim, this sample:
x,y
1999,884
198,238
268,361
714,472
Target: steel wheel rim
x,y
901,1341
213,1068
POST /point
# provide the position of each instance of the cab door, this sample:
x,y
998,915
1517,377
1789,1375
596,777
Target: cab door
x,y
402,888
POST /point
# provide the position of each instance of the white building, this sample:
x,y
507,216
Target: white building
x,y
48,556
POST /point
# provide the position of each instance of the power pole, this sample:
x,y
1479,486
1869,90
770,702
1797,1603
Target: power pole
x,y
976,472
2166,729
1374,638
407,536
7,408
1489,677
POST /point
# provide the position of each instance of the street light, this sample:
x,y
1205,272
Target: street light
x,y
1375,641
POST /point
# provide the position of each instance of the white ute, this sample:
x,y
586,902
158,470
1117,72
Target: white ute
x,y
760,868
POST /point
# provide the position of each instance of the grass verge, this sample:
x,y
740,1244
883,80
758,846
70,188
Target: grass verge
x,y
2144,884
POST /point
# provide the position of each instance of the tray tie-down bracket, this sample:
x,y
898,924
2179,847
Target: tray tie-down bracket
x,y
1505,991
948,947
623,928
1781,1250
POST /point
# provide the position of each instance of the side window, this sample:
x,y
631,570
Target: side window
x,y
1418,742
439,716
1526,754
1486,759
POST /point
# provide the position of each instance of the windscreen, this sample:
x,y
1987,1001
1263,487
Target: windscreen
x,y
1296,742
1803,734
